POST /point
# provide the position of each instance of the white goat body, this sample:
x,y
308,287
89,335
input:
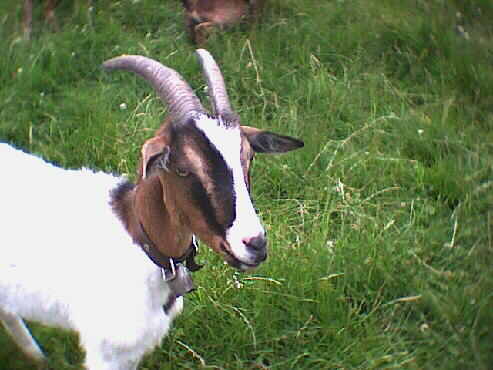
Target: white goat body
x,y
66,260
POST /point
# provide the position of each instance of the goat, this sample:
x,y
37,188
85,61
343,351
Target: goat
x,y
97,254
202,15
49,7
27,17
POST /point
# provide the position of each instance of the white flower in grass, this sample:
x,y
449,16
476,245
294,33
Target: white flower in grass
x,y
236,281
462,32
420,132
123,106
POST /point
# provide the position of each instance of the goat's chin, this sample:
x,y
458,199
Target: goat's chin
x,y
247,268
243,267
236,262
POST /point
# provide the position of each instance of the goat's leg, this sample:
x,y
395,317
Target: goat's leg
x,y
256,8
99,359
49,13
191,23
27,19
15,326
202,32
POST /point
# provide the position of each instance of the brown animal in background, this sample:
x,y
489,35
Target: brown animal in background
x,y
27,18
203,15
48,13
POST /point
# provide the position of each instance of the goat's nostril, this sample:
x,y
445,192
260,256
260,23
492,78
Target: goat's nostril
x,y
257,242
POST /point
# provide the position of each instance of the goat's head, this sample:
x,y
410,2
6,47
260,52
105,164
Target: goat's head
x,y
201,162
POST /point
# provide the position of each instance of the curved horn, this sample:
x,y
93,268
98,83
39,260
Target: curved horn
x,y
169,85
215,82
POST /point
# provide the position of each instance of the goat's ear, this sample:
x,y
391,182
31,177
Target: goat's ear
x,y
155,155
269,142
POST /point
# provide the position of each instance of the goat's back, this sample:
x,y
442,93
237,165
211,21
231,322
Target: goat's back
x,y
221,12
66,259
49,212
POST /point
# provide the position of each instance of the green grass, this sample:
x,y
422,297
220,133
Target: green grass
x,y
380,229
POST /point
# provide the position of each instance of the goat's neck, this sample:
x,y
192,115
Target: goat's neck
x,y
149,212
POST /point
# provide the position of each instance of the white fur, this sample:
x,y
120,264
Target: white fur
x,y
66,260
247,224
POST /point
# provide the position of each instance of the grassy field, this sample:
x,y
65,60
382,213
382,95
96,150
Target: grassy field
x,y
380,229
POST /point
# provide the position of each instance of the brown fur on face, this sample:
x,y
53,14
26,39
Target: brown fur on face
x,y
202,16
189,192
174,162
163,199
246,157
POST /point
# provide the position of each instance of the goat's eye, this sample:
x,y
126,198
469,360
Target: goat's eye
x,y
181,172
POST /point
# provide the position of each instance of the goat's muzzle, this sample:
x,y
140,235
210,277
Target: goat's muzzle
x,y
258,247
256,253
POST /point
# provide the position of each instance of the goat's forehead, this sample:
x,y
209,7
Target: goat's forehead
x,y
225,138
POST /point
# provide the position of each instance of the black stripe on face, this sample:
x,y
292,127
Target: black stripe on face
x,y
217,205
203,201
